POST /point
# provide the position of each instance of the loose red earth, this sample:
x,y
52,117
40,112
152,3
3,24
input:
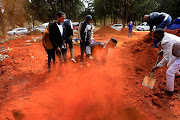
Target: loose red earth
x,y
110,92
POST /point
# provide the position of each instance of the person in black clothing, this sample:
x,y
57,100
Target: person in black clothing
x,y
48,47
56,36
68,34
85,35
160,20
100,49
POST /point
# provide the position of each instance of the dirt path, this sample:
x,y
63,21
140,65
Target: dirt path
x,y
70,92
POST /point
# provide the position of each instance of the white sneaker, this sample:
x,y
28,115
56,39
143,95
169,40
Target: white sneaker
x,y
90,57
73,60
88,65
81,65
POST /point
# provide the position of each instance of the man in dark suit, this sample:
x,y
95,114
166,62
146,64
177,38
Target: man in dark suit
x,y
56,36
68,34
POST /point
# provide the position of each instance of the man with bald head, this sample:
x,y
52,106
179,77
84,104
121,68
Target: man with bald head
x,y
160,20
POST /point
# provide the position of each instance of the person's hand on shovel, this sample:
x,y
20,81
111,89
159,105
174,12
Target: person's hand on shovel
x,y
160,53
58,49
154,68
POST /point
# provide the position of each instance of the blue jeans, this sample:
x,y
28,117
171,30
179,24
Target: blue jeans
x,y
163,25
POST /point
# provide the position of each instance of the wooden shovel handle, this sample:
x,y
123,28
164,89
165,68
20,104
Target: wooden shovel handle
x,y
156,64
157,60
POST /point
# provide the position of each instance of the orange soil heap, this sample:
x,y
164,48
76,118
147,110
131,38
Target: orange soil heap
x,y
113,93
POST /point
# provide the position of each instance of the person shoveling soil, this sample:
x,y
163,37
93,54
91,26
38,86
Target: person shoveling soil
x,y
170,46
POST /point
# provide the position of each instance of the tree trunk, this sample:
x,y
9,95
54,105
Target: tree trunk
x,y
124,23
104,19
2,24
53,7
62,5
94,21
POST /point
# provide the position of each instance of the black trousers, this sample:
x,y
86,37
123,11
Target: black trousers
x,y
69,42
62,55
51,55
83,49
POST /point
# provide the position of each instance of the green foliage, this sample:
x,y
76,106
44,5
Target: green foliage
x,y
17,12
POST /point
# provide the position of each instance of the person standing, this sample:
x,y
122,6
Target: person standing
x,y
48,47
170,45
85,35
130,26
160,20
68,31
56,36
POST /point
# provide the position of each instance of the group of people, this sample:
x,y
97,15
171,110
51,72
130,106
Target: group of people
x,y
169,45
59,34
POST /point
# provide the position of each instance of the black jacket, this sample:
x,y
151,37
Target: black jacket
x,y
68,31
155,19
55,36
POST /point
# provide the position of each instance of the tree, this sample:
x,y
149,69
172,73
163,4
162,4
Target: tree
x,y
40,10
123,8
101,9
2,20
170,6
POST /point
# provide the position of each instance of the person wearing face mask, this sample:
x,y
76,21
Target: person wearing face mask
x,y
85,31
100,49
130,27
170,49
56,36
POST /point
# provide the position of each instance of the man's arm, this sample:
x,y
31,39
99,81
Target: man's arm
x,y
45,35
71,31
92,31
52,35
79,31
167,53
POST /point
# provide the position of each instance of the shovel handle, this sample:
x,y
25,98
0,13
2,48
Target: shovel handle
x,y
157,60
156,63
152,74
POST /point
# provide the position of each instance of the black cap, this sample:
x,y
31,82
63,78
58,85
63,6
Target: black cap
x,y
88,16
112,40
159,31
60,13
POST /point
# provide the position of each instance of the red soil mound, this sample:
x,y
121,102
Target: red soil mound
x,y
105,30
108,30
111,92
175,32
144,58
124,31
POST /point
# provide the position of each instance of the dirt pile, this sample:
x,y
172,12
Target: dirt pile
x,y
175,32
124,31
105,30
144,57
108,30
113,91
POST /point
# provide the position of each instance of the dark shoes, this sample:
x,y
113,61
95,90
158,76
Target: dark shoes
x,y
170,93
176,77
154,46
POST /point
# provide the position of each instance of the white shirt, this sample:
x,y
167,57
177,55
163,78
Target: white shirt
x,y
88,27
60,29
170,45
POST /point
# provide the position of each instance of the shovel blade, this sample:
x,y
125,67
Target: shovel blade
x,y
149,81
